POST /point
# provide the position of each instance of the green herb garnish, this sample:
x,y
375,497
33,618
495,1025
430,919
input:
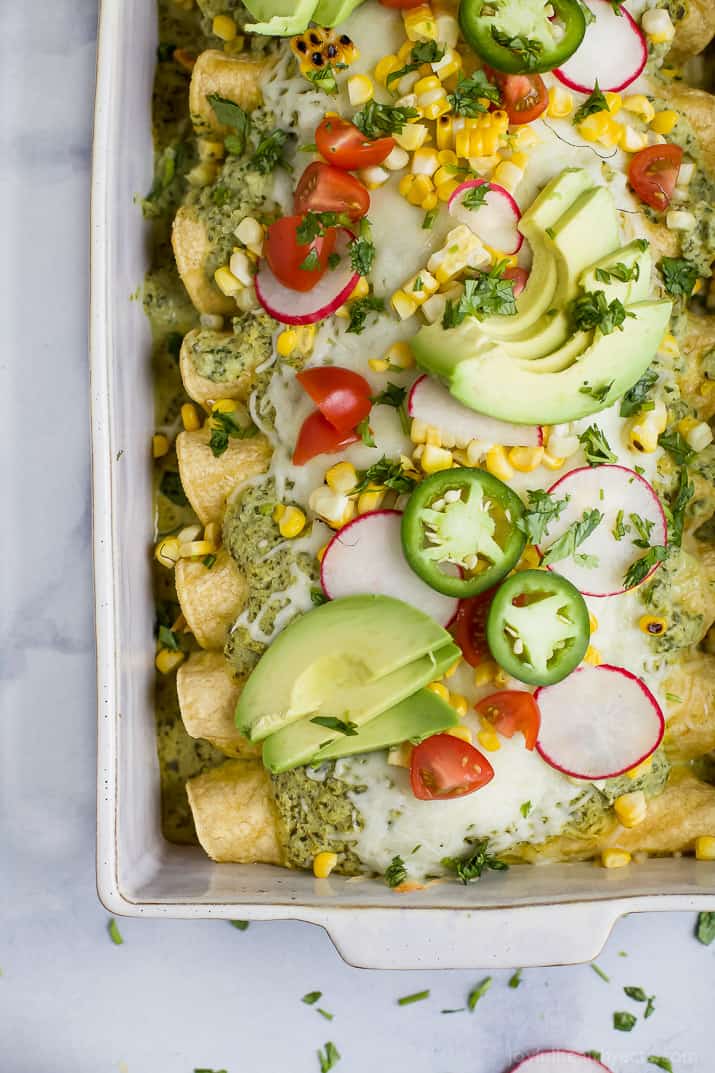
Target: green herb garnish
x,y
643,528
660,1062
114,933
640,569
635,399
471,867
269,153
595,102
489,294
324,79
328,1057
619,271
620,528
240,925
375,120
478,992
542,509
470,94
312,997
526,49
515,980
476,196
679,276
171,487
599,972
223,428
395,873
676,509
362,251
359,311
311,262
577,532
422,52
168,639
525,808
429,219
318,597
387,473
624,1021
230,114
394,395
591,311
596,447
365,432
346,727
407,1000
676,446
705,928
599,392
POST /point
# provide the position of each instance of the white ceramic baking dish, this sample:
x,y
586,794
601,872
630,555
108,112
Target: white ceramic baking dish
x,y
527,916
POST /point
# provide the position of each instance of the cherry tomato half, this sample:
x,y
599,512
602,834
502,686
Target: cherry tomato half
x,y
524,97
470,627
653,173
519,276
445,767
342,144
318,437
342,396
511,710
325,188
287,256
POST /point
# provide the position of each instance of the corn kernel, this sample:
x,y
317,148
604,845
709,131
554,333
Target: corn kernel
x,y
484,673
360,89
385,67
526,459
188,533
447,26
435,459
227,282
411,137
375,176
524,137
400,356
224,406
209,150
439,690
592,622
361,289
371,499
680,220
403,304
378,365
224,27
446,189
449,65
286,342
560,102
425,161
334,508
323,864
498,464
614,101
640,769
632,140
552,461
489,740
418,430
321,552
658,24
705,848
663,122
203,174
167,660
397,159
594,126
697,434
530,558
461,732
342,477
643,435
292,523
593,656
639,105
434,436
212,532
159,445
195,549
508,175
420,24
190,417
167,552
459,703
631,809
615,858
451,671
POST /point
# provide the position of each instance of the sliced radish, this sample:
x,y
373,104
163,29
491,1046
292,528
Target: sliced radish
x,y
612,53
598,722
366,556
307,307
618,492
559,1062
495,222
429,401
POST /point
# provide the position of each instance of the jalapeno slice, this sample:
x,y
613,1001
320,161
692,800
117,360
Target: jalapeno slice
x,y
537,627
464,521
523,36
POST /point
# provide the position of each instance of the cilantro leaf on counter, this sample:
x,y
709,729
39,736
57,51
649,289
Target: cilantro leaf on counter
x,y
478,992
312,997
636,993
705,928
679,276
240,925
515,979
591,311
470,93
660,1062
114,933
596,447
676,446
395,873
375,120
624,1021
359,311
328,1057
473,864
418,996
599,972
635,400
640,569
542,509
595,102
346,727
577,532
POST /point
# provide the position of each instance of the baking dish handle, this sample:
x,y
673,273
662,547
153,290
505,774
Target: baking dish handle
x,y
481,938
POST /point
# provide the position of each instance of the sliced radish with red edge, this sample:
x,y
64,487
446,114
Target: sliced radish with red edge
x,y
617,492
598,723
559,1062
431,402
495,222
306,307
366,556
612,53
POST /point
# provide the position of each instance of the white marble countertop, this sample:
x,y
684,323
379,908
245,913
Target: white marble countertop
x,y
179,996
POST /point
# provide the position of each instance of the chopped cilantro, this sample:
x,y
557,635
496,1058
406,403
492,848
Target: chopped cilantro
x,y
365,432
240,925
471,867
475,197
429,219
346,727
515,979
422,52
478,992
484,296
328,1057
312,261
636,993
635,399
620,528
362,252
470,93
375,120
526,49
640,569
676,446
312,997
679,276
268,154
395,873
170,486
591,311
624,1021
209,561
577,532
230,114
418,996
325,1014
593,1054
324,78
394,395
643,528
675,510
114,933
599,972
660,1062
167,638
599,392
623,273
705,928
525,808
595,102
318,597
223,428
542,509
596,447
359,310
388,473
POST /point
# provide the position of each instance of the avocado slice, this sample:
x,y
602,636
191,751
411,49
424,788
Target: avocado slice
x,y
625,291
512,390
298,742
280,18
329,657
333,12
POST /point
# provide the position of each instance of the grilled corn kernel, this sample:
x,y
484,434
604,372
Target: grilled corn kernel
x,y
560,102
705,848
498,464
484,673
526,459
462,249
652,625
552,461
323,864
435,459
643,435
224,27
167,552
400,356
615,858
461,732
592,622
167,660
459,703
489,740
360,89
640,769
371,499
411,137
342,477
378,365
190,417
292,523
439,690
593,656
159,445
631,809
227,282
420,23
286,342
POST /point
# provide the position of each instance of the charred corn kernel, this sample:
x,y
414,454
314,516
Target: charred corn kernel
x,y
361,289
190,417
385,67
400,755
484,673
615,858
378,365
227,282
371,498
425,161
593,656
212,532
286,342
508,175
526,459
318,47
167,552
560,102
440,690
411,136
631,809
159,445
459,703
434,459
342,477
375,176
193,549
632,140
167,660
498,464
449,65
418,431
443,133
643,435
292,522
592,622
680,220
639,105
360,89
552,461
403,304
400,355
323,864
431,96
698,435
461,732
335,508
397,160
640,769
211,150
663,122
419,23
224,27
705,848
224,406
489,740
185,58
652,625
657,23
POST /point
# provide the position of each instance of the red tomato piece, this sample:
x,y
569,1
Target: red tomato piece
x,y
287,256
342,144
470,627
325,188
511,710
342,396
524,97
519,276
653,173
318,437
445,767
